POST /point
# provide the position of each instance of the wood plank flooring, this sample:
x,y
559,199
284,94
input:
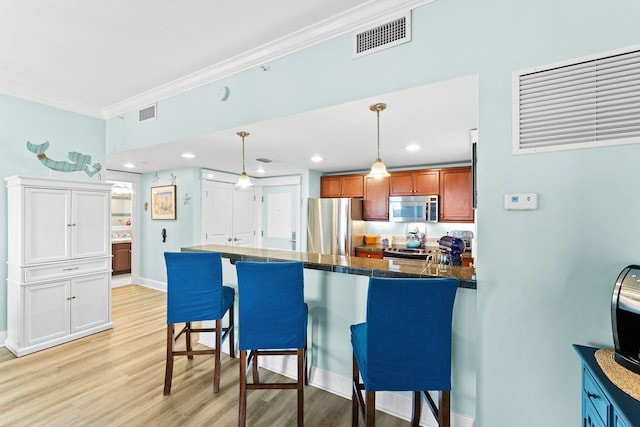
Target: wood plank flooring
x,y
115,378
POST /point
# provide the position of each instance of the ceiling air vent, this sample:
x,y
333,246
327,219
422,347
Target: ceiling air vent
x,y
382,36
589,102
147,113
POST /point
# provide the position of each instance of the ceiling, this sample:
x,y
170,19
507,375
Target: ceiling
x,y
102,58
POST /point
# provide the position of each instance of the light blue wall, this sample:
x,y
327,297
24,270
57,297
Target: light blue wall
x,y
184,231
22,121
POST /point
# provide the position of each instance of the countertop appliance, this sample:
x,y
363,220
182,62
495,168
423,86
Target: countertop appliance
x,y
625,318
413,209
453,247
334,226
407,253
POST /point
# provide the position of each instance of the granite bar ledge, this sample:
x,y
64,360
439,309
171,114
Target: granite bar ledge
x,y
344,264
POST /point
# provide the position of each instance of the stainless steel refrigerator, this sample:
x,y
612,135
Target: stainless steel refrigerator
x,y
334,226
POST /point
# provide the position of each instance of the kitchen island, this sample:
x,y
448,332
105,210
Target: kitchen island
x,y
335,290
345,264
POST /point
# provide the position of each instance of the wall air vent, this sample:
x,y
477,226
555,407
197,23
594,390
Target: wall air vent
x,y
589,102
263,160
382,36
147,113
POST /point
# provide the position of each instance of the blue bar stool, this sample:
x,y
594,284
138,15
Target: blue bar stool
x,y
405,345
195,293
273,319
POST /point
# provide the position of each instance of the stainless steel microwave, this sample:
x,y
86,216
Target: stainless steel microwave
x,y
413,209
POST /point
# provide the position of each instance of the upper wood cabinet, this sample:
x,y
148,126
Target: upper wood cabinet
x,y
375,206
414,183
456,195
342,186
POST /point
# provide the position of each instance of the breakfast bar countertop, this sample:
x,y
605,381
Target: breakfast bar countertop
x,y
345,264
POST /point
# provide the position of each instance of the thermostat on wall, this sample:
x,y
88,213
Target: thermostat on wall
x,y
521,201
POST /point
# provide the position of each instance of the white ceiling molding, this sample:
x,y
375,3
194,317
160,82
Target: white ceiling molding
x,y
368,14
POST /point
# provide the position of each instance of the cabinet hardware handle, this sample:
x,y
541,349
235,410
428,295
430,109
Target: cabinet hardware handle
x,y
70,269
70,298
592,395
235,239
229,239
71,225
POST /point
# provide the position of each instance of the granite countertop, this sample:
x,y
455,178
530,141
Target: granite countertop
x,y
121,240
346,264
380,248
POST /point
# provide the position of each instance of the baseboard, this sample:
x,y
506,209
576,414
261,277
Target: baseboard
x,y
153,284
396,404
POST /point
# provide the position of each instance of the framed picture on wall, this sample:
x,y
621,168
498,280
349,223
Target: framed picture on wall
x,y
163,202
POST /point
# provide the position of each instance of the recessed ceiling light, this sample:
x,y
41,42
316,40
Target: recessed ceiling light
x,y
260,170
129,165
188,155
413,147
316,159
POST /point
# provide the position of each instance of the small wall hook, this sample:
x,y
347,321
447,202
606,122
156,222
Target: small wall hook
x,y
164,235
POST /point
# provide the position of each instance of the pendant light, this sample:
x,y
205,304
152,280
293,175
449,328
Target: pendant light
x,y
378,169
243,180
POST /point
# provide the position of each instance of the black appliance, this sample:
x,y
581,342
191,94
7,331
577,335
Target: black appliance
x,y
453,247
625,318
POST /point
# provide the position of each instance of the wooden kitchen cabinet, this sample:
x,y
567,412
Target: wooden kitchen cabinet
x,y
59,259
121,262
375,206
456,198
342,186
415,183
369,254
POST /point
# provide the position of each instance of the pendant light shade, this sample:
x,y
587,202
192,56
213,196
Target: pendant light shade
x,y
243,180
378,169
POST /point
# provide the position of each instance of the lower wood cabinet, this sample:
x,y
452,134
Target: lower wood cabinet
x,y
369,254
121,257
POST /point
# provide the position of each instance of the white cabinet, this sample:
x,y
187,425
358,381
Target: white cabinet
x,y
59,262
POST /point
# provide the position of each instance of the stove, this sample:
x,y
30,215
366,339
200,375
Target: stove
x,y
407,253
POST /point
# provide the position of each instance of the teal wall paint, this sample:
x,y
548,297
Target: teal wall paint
x,y
184,231
22,121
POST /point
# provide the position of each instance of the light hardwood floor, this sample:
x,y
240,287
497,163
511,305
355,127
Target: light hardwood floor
x,y
115,378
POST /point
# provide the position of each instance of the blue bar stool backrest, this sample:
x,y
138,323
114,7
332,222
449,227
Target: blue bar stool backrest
x,y
194,287
271,305
409,334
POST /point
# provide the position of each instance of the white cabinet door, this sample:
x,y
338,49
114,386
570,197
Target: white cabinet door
x,y
46,312
90,219
47,220
90,301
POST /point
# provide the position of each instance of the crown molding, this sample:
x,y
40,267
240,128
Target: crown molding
x,y
363,16
54,103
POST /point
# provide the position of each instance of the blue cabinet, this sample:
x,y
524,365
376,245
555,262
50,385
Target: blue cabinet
x,y
603,403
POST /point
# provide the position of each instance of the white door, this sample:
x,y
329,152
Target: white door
x,y
91,221
244,210
280,217
217,202
227,214
46,225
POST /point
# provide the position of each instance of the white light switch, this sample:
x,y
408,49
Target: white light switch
x,y
521,201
